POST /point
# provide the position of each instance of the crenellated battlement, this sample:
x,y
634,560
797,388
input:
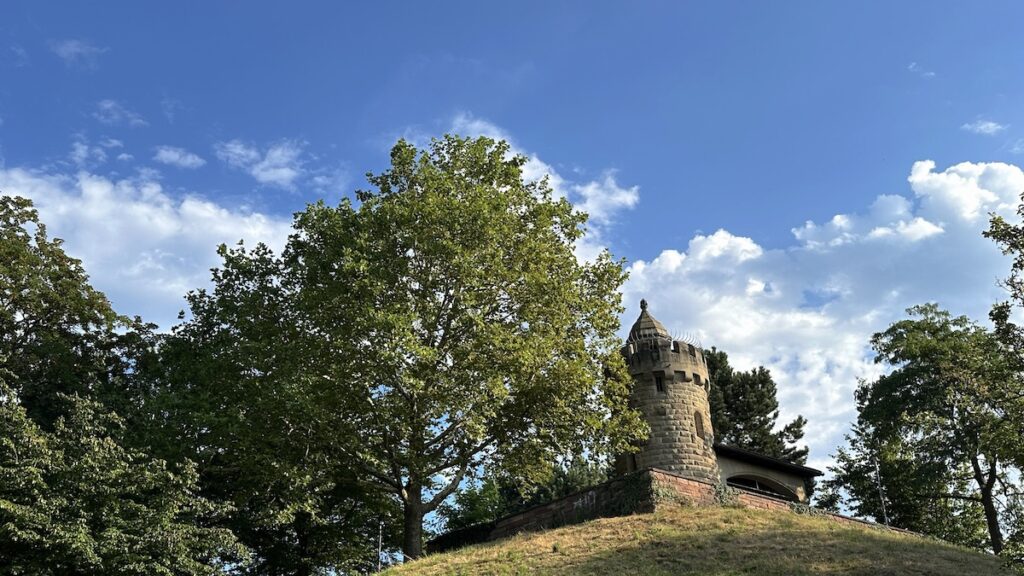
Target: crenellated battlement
x,y
670,389
652,353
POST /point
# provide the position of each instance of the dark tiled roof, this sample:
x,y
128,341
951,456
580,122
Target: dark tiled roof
x,y
766,461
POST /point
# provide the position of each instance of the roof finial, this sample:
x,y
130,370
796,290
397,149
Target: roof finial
x,y
643,304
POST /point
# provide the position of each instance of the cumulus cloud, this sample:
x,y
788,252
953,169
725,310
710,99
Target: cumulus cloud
x,y
145,248
603,199
77,53
807,310
174,156
279,165
114,113
986,127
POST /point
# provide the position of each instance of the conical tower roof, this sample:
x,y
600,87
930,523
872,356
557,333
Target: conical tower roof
x,y
647,327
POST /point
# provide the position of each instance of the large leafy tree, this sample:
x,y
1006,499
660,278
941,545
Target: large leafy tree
x,y
240,389
75,497
57,333
75,500
883,478
488,340
441,324
745,410
935,428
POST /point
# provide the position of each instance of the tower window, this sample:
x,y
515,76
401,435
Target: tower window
x,y
659,383
696,378
698,422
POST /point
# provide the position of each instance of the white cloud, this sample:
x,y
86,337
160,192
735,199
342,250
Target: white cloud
x,y
986,127
84,155
77,53
920,71
603,199
967,192
723,248
114,113
889,218
279,165
179,157
807,311
140,245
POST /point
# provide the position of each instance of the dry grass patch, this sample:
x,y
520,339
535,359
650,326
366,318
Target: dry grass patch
x,y
710,542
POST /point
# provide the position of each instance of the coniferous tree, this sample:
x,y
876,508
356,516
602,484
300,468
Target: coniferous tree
x,y
745,410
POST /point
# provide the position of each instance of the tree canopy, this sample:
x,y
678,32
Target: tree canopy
x,y
745,410
440,324
933,451
75,496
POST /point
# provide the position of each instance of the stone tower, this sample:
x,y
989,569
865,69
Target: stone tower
x,y
670,389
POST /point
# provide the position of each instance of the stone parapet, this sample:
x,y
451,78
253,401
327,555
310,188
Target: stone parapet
x,y
642,491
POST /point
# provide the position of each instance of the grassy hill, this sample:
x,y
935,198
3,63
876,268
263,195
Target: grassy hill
x,y
710,542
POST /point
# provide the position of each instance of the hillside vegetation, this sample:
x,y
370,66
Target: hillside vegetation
x,y
710,542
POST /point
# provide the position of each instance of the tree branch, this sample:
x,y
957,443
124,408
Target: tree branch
x,y
447,491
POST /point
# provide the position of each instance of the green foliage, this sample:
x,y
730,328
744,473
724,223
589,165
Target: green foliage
x,y
904,490
76,501
240,391
442,324
932,442
497,494
744,411
58,334
726,495
75,497
488,340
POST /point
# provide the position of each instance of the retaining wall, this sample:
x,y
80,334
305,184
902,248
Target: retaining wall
x,y
638,492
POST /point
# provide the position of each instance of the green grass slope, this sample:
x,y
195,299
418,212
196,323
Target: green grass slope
x,y
710,542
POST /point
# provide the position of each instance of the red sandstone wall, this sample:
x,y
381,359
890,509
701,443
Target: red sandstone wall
x,y
638,492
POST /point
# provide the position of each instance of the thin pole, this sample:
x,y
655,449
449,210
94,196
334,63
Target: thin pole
x,y
380,542
881,496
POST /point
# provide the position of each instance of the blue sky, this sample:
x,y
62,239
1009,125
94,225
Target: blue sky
x,y
782,178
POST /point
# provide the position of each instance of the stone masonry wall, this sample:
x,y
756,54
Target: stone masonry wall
x,y
675,442
639,492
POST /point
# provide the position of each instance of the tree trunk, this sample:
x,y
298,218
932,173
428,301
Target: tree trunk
x,y
986,484
412,537
995,534
302,524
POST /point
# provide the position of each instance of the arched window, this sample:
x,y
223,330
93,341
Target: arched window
x,y
698,421
764,486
